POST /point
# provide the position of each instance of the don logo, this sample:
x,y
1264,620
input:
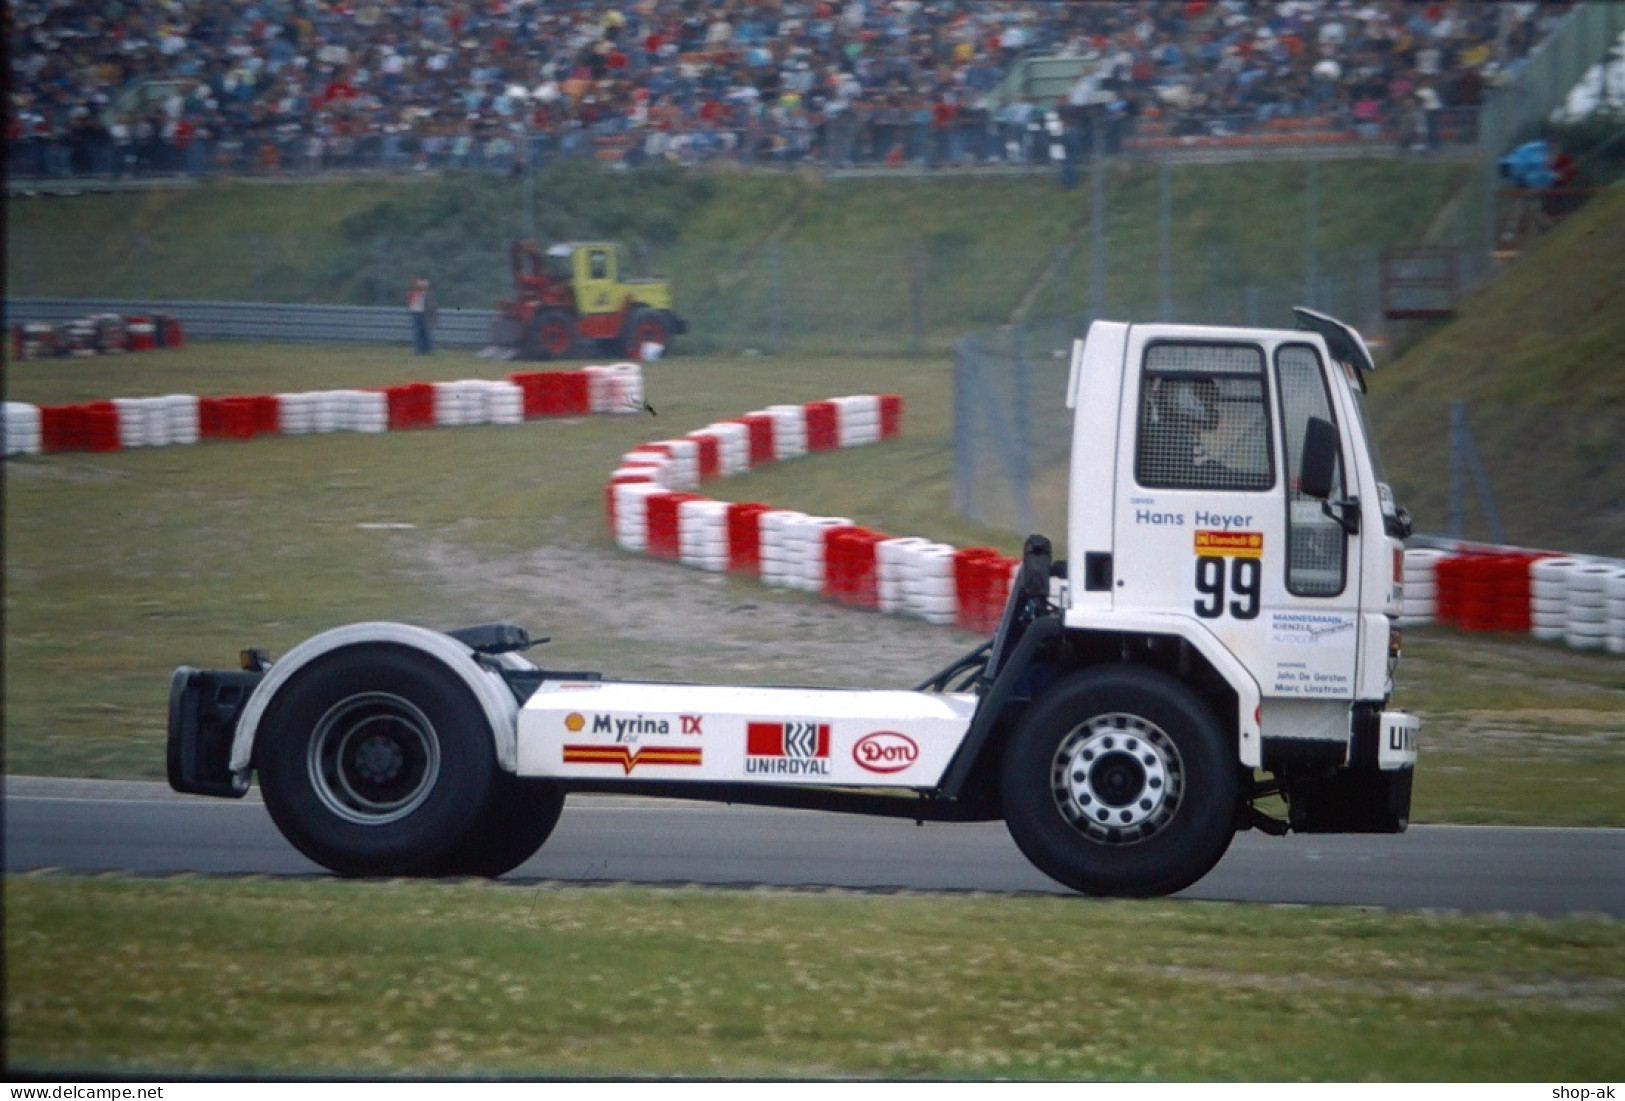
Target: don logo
x,y
885,751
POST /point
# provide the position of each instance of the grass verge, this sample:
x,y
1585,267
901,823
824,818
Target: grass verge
x,y
182,976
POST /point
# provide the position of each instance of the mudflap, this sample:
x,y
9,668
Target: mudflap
x,y
1350,800
204,706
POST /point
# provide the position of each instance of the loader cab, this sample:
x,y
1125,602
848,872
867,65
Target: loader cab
x,y
558,263
595,274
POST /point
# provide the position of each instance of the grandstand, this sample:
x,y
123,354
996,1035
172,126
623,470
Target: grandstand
x,y
274,86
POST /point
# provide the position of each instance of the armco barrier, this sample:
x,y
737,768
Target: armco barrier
x,y
185,419
293,323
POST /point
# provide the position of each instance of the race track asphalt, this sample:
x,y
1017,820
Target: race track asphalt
x,y
96,826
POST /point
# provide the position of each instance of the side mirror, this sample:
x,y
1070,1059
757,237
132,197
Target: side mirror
x,y
1317,469
1037,564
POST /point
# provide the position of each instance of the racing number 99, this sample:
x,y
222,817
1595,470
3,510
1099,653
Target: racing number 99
x,y
1241,578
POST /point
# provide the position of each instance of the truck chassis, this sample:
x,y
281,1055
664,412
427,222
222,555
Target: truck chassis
x,y
377,753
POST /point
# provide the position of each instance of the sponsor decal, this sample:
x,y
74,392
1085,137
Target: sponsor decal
x,y
787,749
1230,544
630,759
1402,739
885,751
629,728
1307,628
1159,519
1297,678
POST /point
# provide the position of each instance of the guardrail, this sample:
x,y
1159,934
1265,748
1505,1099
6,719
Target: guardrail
x,y
305,324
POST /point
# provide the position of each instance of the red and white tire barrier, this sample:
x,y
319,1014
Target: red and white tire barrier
x,y
1577,600
99,334
185,419
652,508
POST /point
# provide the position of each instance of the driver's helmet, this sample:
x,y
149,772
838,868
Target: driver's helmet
x,y
1192,399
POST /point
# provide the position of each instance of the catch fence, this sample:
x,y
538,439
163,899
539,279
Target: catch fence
x,y
1462,469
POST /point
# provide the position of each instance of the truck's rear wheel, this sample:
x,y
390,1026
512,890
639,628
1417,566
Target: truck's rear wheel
x,y
1118,782
377,760
644,326
519,820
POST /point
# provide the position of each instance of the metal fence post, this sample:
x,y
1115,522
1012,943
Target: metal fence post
x,y
1020,460
1165,247
965,366
1097,223
775,285
256,252
25,250
138,260
917,301
1458,424
1311,216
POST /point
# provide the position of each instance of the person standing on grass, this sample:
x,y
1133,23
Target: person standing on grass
x,y
422,311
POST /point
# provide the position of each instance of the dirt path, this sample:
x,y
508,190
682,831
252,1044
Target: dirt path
x,y
646,618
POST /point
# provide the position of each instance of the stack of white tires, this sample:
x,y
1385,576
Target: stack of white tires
x,y
1614,641
1421,586
1579,601
22,428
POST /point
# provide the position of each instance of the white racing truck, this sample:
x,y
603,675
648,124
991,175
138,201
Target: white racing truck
x,y
1218,643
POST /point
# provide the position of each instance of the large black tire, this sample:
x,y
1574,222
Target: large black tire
x,y
550,335
644,326
518,821
378,760
1119,781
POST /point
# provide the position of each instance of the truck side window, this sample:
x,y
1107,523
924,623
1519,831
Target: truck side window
x,y
599,264
1317,549
1204,420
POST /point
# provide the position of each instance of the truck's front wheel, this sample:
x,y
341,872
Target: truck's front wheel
x,y
550,335
377,760
1118,782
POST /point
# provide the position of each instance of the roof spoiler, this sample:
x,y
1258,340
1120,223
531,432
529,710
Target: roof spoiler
x,y
1342,341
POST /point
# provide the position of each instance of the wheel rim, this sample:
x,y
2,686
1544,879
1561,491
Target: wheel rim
x,y
556,337
1117,778
373,758
650,332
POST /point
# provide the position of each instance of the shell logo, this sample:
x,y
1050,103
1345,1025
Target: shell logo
x,y
573,722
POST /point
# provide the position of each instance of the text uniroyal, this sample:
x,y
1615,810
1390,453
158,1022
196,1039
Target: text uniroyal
x,y
786,766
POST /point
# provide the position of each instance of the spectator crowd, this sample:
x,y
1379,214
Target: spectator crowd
x,y
114,87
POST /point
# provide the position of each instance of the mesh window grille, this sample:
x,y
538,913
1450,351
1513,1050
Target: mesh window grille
x,y
1203,422
1316,545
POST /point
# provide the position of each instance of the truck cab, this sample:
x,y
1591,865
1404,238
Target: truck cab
x,y
1210,540
594,268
